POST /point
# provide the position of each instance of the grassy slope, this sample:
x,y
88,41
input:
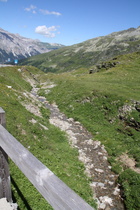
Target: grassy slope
x,y
95,101
49,146
85,54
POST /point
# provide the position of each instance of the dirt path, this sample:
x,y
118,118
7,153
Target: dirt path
x,y
94,157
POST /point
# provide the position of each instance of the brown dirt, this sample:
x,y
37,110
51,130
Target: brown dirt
x,y
129,162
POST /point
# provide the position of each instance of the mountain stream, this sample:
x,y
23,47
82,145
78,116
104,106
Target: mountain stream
x,y
92,153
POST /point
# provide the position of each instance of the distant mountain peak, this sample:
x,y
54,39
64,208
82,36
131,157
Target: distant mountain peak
x,y
14,46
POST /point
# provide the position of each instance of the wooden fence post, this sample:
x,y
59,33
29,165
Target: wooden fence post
x,y
5,188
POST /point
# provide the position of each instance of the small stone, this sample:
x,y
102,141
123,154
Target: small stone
x,y
99,170
106,200
99,153
104,158
9,86
89,142
96,144
116,191
102,206
111,183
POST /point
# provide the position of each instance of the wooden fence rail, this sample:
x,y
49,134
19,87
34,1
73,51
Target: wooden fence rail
x,y
5,188
56,192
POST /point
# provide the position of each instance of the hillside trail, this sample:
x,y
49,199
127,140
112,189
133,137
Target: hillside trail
x,y
92,153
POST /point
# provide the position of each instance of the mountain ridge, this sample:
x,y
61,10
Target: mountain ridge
x,y
14,46
88,53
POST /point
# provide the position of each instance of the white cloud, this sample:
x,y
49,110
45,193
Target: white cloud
x,y
34,12
46,12
32,9
4,0
46,31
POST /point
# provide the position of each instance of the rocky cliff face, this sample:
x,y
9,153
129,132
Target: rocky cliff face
x,y
13,46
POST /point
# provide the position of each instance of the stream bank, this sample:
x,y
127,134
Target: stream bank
x,y
94,156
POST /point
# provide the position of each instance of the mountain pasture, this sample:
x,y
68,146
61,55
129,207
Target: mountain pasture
x,y
107,104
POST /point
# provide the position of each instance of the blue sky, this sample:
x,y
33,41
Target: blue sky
x,y
68,22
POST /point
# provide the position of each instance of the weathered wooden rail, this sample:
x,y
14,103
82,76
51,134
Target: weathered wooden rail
x,y
56,192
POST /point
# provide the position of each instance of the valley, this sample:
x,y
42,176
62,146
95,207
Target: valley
x,y
84,126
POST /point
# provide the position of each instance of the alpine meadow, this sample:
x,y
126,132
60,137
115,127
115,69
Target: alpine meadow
x,y
95,85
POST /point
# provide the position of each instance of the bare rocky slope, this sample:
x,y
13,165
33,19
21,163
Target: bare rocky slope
x,y
14,46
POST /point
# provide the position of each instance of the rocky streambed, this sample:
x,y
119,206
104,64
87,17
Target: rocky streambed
x,y
94,156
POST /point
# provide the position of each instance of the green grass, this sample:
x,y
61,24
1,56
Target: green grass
x,y
130,182
50,146
95,101
83,55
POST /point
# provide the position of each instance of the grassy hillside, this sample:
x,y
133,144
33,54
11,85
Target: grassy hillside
x,y
88,53
28,121
72,57
107,103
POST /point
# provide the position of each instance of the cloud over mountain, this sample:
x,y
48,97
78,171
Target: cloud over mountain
x,y
46,31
